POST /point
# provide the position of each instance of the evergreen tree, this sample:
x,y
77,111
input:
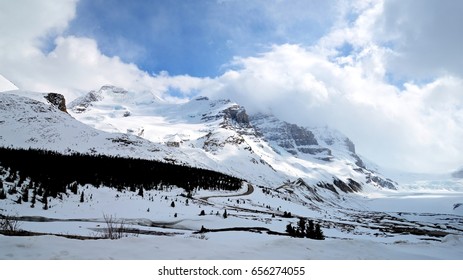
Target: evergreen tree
x,y
290,230
202,213
140,192
172,204
45,203
287,215
225,215
25,195
2,194
318,233
301,227
82,199
40,191
73,187
310,230
12,190
50,173
33,199
12,177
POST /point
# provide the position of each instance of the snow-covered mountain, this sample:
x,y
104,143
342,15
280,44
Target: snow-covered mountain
x,y
259,148
289,173
213,134
28,123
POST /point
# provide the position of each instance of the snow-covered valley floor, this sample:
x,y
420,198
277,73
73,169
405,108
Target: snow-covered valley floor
x,y
414,223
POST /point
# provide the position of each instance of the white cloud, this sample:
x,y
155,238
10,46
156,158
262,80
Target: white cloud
x,y
25,24
426,36
75,65
417,129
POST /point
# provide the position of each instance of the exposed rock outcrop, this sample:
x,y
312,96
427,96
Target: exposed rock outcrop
x,y
57,100
237,114
293,138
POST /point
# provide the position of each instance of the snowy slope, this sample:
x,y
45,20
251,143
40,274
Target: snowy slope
x,y
230,246
376,232
27,123
6,85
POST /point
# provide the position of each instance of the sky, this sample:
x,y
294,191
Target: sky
x,y
387,73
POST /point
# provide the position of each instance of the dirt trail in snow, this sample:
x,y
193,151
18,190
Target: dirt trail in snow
x,y
248,192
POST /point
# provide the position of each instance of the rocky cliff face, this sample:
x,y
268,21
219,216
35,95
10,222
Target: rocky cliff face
x,y
236,114
292,138
57,100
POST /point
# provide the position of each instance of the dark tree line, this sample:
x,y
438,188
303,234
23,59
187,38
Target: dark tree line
x,y
305,229
53,173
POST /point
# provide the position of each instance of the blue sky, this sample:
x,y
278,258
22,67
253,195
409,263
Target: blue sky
x,y
387,73
197,37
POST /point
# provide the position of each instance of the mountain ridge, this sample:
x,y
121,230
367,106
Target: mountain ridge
x,y
213,134
218,126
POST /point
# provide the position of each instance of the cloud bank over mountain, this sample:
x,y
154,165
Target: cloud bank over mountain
x,y
387,74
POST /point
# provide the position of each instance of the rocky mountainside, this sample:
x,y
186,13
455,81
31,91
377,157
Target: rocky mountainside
x,y
217,135
260,148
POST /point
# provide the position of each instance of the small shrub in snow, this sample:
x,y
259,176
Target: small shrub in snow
x,y
9,224
114,229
